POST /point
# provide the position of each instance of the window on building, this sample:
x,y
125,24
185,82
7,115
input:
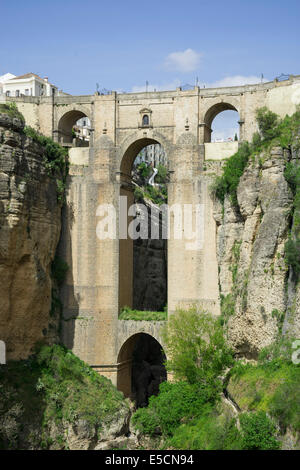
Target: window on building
x,y
145,120
8,93
27,92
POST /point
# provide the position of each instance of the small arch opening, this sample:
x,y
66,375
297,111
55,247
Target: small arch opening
x,y
221,124
225,127
74,129
141,368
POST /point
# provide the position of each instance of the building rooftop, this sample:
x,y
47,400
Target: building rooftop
x,y
27,75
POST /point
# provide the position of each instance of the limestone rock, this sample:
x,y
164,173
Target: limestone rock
x,y
250,250
29,233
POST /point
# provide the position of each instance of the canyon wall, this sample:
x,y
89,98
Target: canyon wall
x,y
30,221
259,299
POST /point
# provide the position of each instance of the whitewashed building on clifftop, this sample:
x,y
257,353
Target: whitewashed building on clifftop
x,y
29,84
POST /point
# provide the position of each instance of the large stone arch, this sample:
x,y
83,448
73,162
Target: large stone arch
x,y
134,143
125,374
126,155
213,111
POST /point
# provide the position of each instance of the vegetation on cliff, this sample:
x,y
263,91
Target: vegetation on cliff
x,y
48,391
157,194
273,132
55,159
271,386
292,246
12,111
196,347
265,394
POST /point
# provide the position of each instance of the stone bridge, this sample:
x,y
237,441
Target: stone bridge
x,y
100,277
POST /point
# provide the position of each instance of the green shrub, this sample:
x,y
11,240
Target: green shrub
x,y
258,432
55,155
144,171
186,401
256,140
285,404
145,421
196,347
267,123
162,174
292,176
208,432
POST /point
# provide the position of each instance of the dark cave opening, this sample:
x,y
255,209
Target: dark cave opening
x,y
148,369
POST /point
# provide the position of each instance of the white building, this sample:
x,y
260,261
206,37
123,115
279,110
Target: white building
x,y
29,84
153,153
4,78
82,129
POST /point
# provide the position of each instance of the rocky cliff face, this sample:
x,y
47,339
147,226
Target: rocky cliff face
x,y
259,299
150,267
29,233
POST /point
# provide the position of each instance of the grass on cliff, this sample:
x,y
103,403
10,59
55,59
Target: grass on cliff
x,y
142,315
12,111
51,387
55,158
271,386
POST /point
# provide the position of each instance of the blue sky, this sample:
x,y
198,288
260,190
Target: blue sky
x,y
121,44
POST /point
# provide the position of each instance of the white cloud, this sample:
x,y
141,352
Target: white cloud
x,y
185,61
234,80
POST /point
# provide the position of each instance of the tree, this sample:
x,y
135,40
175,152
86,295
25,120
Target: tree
x,y
267,123
196,347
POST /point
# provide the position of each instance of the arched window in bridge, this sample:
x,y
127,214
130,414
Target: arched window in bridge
x,y
145,120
